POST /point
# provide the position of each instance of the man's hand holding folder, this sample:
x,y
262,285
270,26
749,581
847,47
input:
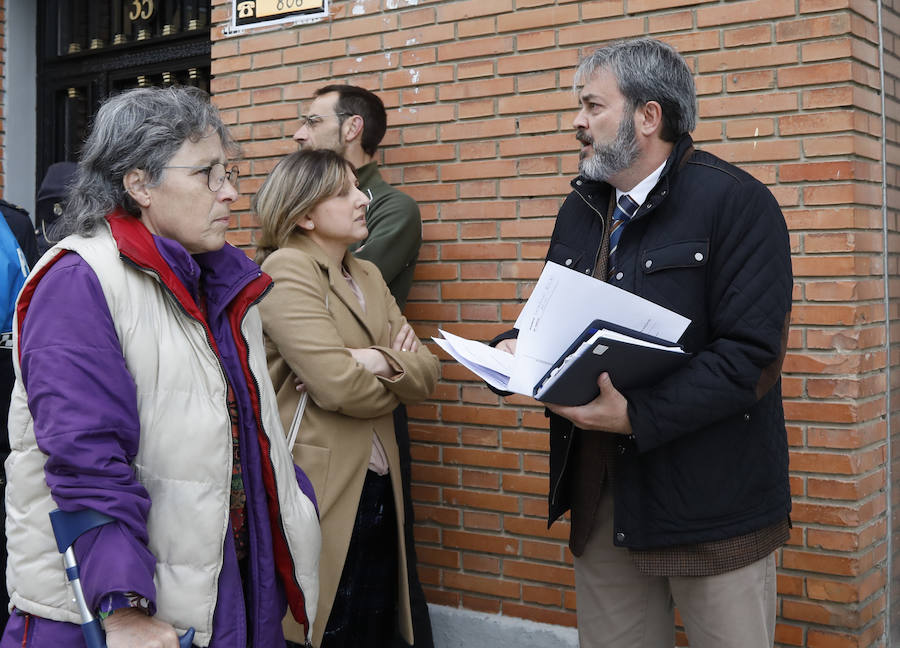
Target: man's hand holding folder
x,y
633,359
607,412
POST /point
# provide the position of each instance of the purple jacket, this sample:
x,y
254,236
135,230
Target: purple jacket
x,y
73,368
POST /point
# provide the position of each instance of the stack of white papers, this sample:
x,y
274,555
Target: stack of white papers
x,y
564,302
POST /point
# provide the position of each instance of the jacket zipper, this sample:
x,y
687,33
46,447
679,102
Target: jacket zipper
x,y
206,335
554,497
602,228
261,427
259,424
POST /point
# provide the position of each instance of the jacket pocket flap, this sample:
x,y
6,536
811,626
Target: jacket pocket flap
x,y
564,255
682,254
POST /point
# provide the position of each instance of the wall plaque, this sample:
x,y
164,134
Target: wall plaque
x,y
260,13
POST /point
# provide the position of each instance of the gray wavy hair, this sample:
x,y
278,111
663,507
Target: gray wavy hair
x,y
141,128
648,70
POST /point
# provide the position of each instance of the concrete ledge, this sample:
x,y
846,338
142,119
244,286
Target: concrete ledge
x,y
457,628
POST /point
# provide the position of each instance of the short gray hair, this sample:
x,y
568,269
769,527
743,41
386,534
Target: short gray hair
x,y
141,128
648,70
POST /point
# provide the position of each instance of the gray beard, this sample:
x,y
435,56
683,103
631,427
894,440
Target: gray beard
x,y
610,159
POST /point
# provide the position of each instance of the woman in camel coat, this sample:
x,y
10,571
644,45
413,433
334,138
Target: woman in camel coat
x,y
331,323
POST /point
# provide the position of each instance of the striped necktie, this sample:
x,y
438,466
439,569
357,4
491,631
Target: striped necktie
x,y
623,212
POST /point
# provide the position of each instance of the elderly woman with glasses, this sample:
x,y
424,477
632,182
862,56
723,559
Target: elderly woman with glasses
x,y
333,325
142,393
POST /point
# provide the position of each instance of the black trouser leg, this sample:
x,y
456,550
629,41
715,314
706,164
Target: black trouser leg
x,y
364,612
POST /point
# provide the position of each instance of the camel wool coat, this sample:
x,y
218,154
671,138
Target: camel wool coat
x,y
310,320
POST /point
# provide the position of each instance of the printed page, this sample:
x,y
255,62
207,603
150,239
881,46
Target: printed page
x,y
489,363
564,302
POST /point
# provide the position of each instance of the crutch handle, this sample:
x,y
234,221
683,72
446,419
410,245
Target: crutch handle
x,y
67,527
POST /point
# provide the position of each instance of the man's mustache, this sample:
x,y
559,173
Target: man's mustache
x,y
584,137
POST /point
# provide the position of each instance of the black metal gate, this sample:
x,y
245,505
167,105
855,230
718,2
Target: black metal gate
x,y
89,49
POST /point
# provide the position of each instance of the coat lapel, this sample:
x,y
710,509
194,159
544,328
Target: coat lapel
x,y
372,319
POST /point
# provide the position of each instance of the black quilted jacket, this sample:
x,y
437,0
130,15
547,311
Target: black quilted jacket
x,y
709,458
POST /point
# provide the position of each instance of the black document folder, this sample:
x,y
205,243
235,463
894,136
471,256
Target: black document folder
x,y
632,359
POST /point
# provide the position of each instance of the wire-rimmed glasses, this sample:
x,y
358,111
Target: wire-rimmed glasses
x,y
314,120
215,174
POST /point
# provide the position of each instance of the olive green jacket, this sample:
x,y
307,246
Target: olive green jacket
x,y
395,232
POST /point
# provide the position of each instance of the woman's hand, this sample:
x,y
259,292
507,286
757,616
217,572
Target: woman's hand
x,y
132,628
373,360
406,339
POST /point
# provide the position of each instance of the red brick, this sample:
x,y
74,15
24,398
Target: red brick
x,y
612,30
693,42
468,251
524,484
496,46
278,76
437,514
478,563
472,8
537,18
481,584
815,74
481,500
745,11
539,614
416,18
478,129
748,104
753,80
539,61
474,69
481,542
435,475
470,89
756,35
480,479
541,595
535,40
535,527
485,458
482,521
419,36
278,40
469,170
538,572
478,27
437,557
816,27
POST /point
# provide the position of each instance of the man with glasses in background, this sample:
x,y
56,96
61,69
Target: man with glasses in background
x,y
352,121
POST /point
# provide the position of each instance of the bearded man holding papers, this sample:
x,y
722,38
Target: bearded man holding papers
x,y
679,490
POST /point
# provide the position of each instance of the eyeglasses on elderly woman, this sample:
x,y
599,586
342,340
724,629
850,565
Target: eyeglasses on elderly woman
x,y
215,174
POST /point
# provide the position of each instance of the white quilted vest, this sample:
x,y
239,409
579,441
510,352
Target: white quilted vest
x,y
184,460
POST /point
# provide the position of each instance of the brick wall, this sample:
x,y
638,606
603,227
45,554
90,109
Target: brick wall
x,y
891,38
478,94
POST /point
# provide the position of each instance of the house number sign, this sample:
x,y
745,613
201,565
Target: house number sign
x,y
142,9
256,13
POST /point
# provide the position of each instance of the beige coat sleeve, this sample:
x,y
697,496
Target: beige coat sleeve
x,y
419,370
314,343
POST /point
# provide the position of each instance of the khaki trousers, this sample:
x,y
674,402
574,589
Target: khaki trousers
x,y
619,607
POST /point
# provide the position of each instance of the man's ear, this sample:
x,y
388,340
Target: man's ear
x,y
649,119
353,128
135,183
